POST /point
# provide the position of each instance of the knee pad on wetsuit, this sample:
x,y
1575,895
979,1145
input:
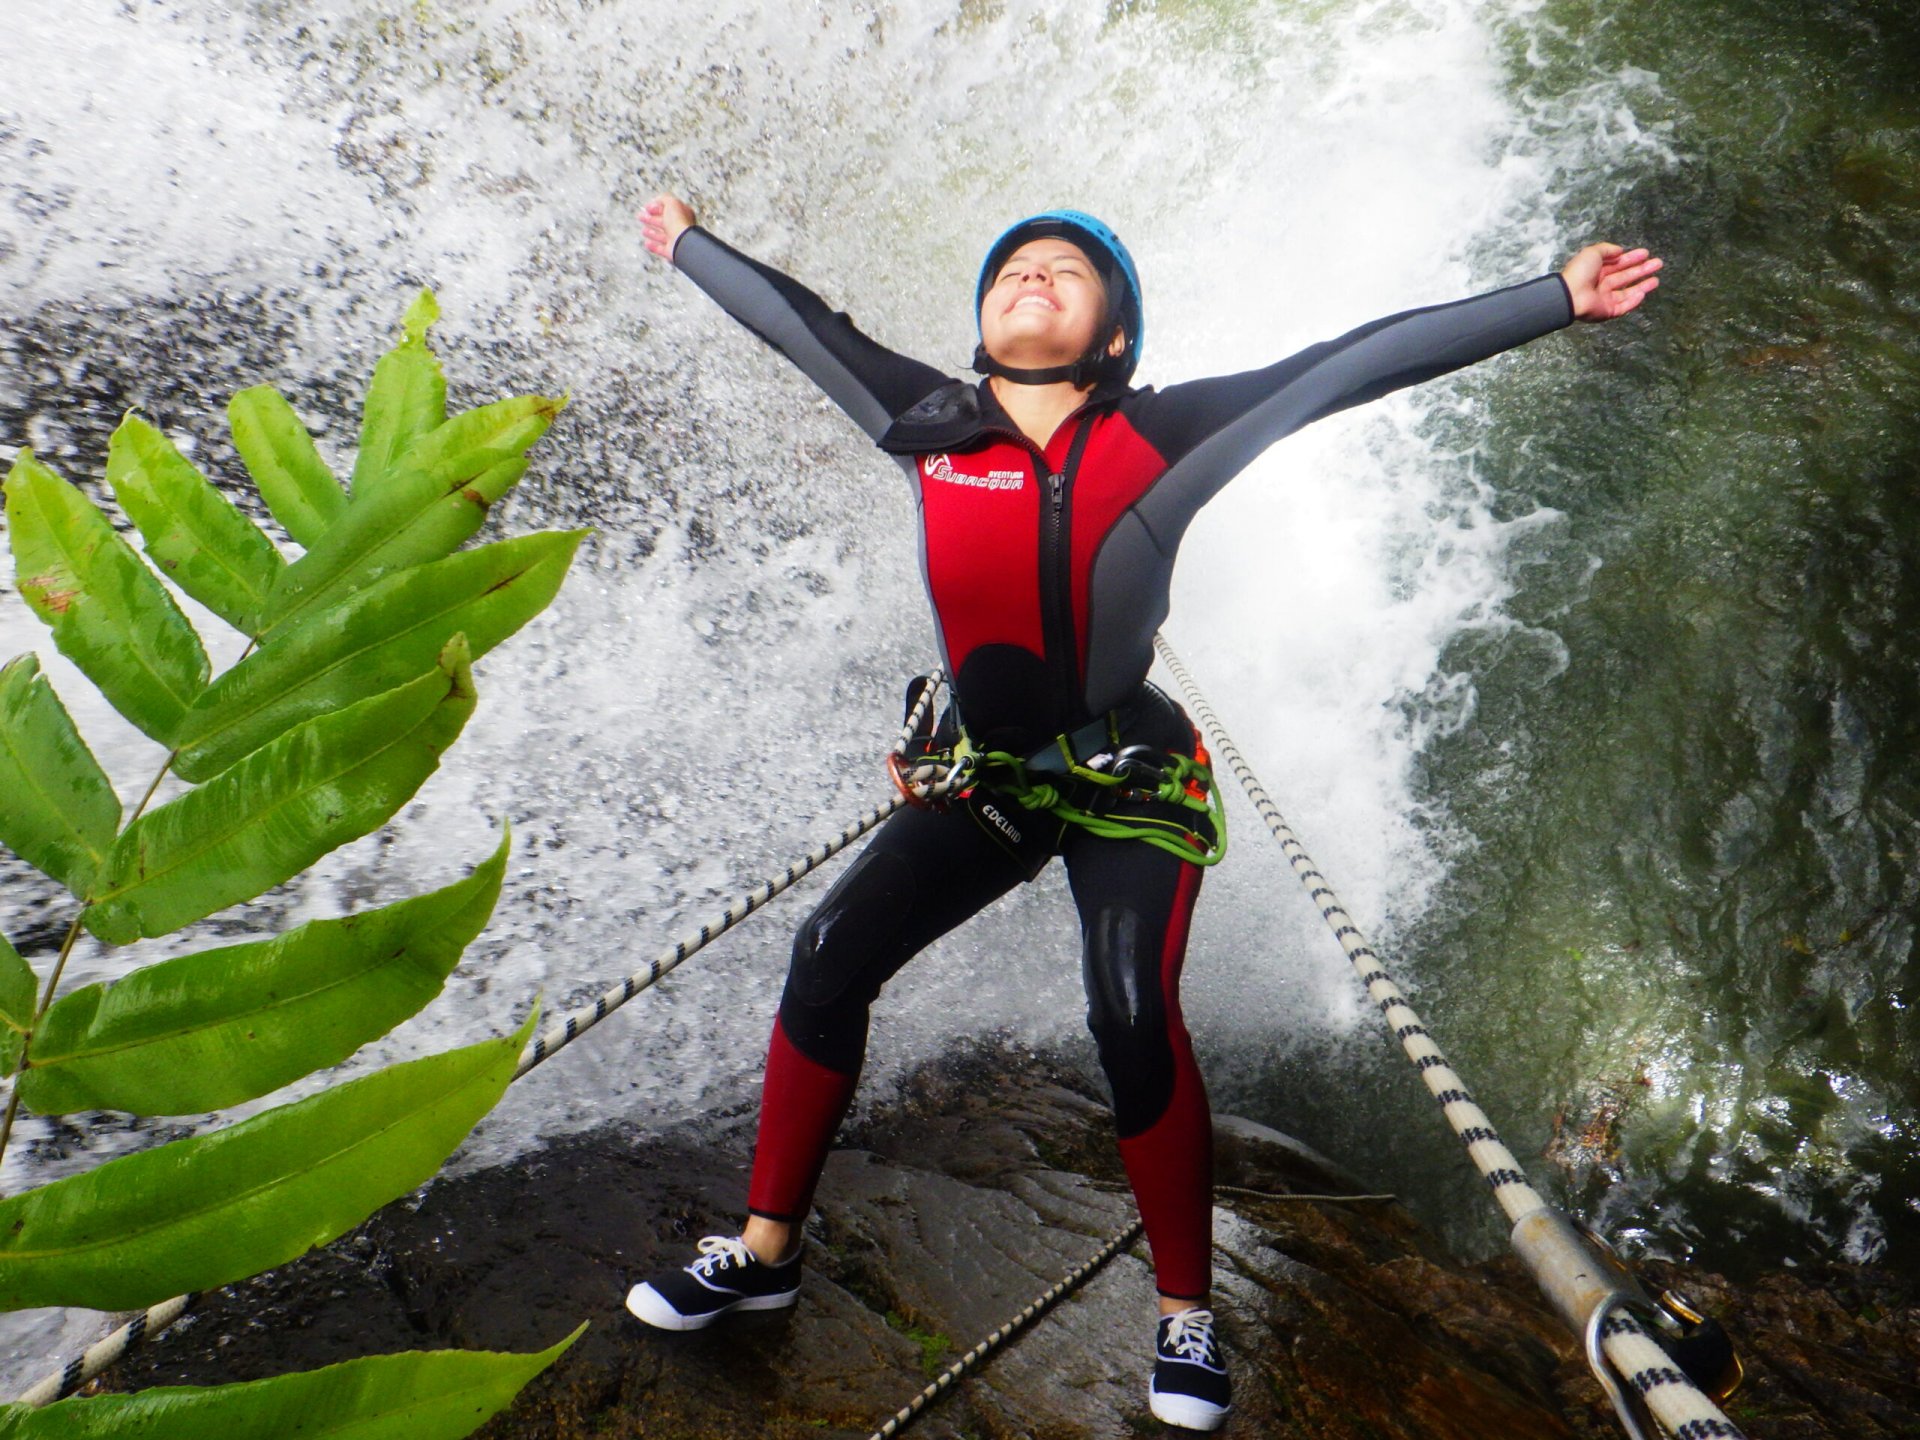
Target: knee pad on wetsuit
x,y
1127,1013
842,955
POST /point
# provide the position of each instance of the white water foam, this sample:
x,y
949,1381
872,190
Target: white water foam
x,y
708,697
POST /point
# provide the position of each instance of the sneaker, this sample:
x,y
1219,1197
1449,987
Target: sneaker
x,y
727,1276
1190,1385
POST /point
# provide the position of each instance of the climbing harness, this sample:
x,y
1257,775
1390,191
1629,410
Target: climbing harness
x,y
1079,778
1581,1280
1587,1284
1082,794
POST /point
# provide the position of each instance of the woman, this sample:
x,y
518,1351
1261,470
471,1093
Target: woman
x,y
1052,499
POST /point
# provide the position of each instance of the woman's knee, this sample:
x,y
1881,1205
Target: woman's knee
x,y
1129,1016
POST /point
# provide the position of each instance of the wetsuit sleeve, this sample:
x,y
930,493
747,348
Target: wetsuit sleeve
x,y
1210,430
864,378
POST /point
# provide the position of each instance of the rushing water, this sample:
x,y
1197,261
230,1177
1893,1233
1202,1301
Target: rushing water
x,y
1587,675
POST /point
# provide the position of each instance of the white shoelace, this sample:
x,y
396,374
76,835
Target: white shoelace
x,y
718,1252
1190,1336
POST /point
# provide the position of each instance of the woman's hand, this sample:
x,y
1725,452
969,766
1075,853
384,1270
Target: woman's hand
x,y
1607,281
663,220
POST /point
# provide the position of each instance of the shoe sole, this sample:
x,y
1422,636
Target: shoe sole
x,y
1187,1411
650,1307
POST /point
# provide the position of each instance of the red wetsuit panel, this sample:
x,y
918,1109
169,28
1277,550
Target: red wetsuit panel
x,y
985,512
1170,1163
802,1104
981,510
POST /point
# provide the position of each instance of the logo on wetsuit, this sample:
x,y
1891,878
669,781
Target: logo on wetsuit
x,y
940,467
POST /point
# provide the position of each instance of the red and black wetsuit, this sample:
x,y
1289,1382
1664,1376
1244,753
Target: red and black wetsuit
x,y
1048,569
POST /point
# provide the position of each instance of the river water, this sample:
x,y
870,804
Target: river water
x,y
1588,676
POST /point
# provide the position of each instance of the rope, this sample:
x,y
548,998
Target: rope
x,y
82,1368
1674,1400
1469,1121
1035,1308
927,781
577,1022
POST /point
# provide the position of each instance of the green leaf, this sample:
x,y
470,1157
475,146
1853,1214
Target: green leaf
x,y
19,996
267,818
222,1026
109,613
214,1208
419,1395
374,639
427,508
407,399
58,811
279,453
193,532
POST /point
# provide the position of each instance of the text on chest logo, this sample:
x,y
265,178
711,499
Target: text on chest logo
x,y
940,467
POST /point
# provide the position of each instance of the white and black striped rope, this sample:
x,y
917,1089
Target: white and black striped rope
x,y
98,1357
921,708
576,1023
929,781
1484,1146
1680,1407
1036,1307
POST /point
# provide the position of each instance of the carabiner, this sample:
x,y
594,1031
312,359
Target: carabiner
x,y
1140,763
896,772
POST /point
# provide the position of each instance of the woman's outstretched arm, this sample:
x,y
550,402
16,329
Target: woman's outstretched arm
x,y
1209,430
864,378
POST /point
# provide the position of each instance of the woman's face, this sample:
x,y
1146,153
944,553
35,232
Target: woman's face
x,y
1043,306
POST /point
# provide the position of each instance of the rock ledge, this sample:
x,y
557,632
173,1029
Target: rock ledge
x,y
990,1178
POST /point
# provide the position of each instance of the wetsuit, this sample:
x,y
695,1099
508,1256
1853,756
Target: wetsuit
x,y
1048,569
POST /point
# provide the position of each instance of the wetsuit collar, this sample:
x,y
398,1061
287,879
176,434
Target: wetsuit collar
x,y
958,413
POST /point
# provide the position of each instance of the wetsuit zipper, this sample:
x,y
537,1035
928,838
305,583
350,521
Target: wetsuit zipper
x,y
1062,650
1056,594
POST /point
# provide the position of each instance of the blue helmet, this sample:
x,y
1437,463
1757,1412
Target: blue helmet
x,y
1116,268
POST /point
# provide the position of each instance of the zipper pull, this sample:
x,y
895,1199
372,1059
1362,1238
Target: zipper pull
x,y
1059,486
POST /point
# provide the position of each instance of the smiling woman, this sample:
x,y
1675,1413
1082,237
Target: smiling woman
x,y
1052,499
1059,301
1045,306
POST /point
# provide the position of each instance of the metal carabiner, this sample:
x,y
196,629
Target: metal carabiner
x,y
1140,763
897,772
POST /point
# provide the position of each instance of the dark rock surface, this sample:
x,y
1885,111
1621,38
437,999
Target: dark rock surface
x,y
991,1178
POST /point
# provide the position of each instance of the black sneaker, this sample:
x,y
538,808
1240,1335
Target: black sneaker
x,y
1190,1385
726,1277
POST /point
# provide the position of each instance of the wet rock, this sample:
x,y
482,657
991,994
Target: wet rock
x,y
990,1178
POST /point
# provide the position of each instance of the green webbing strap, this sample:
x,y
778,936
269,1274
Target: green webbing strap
x,y
1008,774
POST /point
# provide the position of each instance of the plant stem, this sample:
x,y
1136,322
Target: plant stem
x,y
147,798
66,949
26,1042
59,967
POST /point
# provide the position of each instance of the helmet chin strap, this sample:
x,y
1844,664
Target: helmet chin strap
x,y
1083,371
